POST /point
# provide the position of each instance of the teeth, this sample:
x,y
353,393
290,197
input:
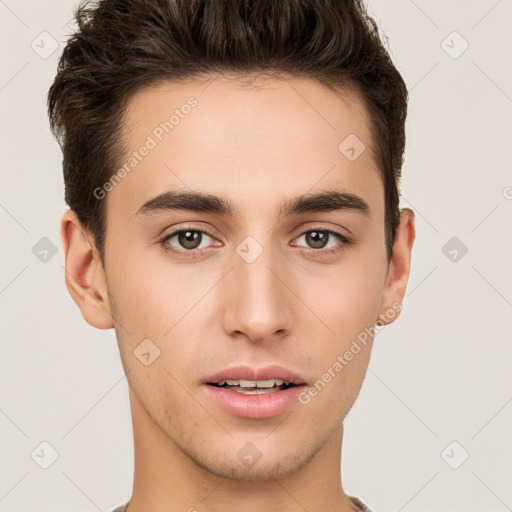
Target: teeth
x,y
253,383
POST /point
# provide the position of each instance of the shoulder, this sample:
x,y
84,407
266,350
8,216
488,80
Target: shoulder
x,y
357,502
121,508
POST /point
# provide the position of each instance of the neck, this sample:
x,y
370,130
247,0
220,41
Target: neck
x,y
166,479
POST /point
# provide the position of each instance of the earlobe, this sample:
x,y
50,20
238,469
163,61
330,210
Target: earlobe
x,y
84,274
399,269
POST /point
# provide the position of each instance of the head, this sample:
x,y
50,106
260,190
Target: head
x,y
276,132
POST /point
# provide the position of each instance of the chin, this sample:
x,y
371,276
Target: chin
x,y
231,464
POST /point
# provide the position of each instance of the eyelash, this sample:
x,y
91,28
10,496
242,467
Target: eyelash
x,y
345,242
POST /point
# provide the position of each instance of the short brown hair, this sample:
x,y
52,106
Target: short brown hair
x,y
121,46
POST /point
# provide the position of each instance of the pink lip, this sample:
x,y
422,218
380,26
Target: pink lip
x,y
254,406
261,406
248,373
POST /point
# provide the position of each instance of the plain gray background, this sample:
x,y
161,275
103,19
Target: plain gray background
x,y
439,384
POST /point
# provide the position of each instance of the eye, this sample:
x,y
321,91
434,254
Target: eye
x,y
325,239
186,240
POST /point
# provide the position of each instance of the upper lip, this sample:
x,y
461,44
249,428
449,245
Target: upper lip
x,y
253,374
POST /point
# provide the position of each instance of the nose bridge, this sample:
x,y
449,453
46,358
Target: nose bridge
x,y
257,304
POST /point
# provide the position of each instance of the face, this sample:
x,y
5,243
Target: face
x,y
252,275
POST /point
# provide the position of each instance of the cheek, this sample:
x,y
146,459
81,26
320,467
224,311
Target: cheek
x,y
150,298
347,302
346,299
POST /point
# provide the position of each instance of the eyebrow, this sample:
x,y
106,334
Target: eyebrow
x,y
325,201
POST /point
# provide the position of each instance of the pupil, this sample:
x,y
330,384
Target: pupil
x,y
317,239
189,239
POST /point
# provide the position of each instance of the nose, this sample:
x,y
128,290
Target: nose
x,y
258,299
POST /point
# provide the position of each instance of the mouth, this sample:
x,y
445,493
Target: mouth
x,y
246,378
254,393
258,387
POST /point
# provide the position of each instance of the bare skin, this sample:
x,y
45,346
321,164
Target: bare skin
x,y
296,304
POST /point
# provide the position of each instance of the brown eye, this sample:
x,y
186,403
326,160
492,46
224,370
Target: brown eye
x,y
317,239
323,239
187,240
190,239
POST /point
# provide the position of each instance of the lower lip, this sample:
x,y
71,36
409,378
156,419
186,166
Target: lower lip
x,y
254,406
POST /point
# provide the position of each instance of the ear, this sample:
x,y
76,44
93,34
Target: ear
x,y
84,274
398,270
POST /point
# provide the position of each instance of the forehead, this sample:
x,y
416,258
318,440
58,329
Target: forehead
x,y
228,109
251,141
